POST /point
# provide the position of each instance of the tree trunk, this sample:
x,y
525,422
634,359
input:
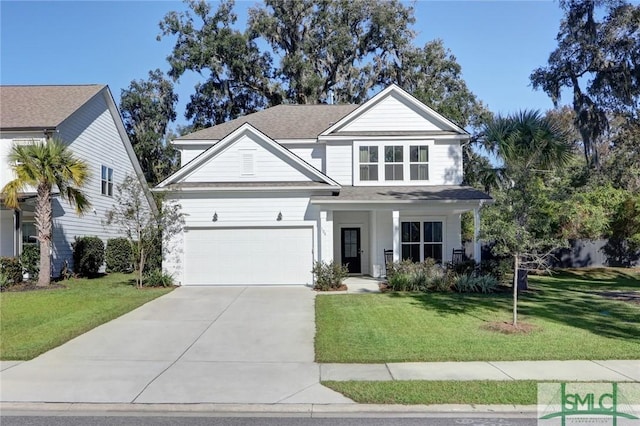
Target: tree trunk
x,y
515,290
141,267
43,223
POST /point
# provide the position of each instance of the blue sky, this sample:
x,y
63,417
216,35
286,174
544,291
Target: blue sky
x,y
497,43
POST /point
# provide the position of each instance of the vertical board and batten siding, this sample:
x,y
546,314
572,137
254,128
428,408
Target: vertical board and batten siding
x,y
391,114
339,165
268,164
93,137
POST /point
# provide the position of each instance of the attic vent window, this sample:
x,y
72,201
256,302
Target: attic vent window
x,y
247,163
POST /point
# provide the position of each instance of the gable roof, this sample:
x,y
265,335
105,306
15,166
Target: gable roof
x,y
393,89
179,176
42,107
281,122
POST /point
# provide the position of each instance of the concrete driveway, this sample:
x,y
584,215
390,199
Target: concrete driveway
x,y
194,345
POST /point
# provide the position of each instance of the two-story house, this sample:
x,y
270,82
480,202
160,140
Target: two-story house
x,y
267,194
87,119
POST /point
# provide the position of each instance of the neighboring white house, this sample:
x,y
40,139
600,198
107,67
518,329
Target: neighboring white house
x,y
87,119
267,194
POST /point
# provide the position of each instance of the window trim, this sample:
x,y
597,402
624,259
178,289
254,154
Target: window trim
x,y
106,183
394,164
406,144
370,163
419,163
422,242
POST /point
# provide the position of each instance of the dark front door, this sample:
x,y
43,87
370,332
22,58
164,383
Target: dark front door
x,y
350,241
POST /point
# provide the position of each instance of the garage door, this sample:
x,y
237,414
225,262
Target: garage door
x,y
248,256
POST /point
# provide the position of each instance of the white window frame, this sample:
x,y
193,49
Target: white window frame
x,y
106,183
422,242
406,164
370,163
394,164
419,163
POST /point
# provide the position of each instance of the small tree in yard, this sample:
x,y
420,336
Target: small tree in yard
x,y
529,146
131,214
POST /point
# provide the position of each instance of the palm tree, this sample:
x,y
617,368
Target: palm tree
x,y
45,166
528,145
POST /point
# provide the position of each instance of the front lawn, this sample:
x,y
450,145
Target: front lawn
x,y
577,315
33,322
524,392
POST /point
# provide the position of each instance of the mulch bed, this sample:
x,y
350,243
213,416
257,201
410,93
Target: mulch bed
x,y
508,328
343,287
29,286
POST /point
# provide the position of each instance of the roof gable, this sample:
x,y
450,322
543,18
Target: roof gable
x,y
393,110
42,107
246,156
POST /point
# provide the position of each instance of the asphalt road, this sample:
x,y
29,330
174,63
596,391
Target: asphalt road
x,y
258,421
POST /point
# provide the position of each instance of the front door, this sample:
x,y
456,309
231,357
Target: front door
x,y
351,253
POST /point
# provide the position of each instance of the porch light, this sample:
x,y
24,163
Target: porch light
x,y
215,217
279,218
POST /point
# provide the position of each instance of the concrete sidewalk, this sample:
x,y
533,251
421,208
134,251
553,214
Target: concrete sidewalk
x,y
611,370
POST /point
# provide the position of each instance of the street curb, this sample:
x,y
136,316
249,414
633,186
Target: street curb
x,y
258,410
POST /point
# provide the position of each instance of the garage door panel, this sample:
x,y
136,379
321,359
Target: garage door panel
x,y
248,256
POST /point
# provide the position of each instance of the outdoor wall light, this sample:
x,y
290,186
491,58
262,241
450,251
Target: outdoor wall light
x,y
215,217
279,216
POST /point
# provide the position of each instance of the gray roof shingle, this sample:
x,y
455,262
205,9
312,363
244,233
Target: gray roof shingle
x,y
405,193
281,122
41,107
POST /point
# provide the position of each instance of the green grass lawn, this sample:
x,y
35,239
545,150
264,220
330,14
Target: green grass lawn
x,y
35,321
574,320
439,392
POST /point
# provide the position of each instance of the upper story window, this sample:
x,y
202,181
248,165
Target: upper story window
x,y
393,162
107,181
419,162
369,163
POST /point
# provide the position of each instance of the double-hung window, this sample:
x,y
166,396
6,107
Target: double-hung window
x,y
107,181
369,163
422,240
419,162
393,165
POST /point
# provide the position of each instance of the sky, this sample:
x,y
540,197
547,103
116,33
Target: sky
x,y
497,43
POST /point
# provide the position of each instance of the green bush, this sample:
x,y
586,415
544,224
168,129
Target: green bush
x,y
500,269
11,269
414,276
444,282
157,278
88,256
329,276
154,252
30,259
118,255
4,280
469,284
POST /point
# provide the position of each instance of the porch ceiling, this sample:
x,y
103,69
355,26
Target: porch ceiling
x,y
404,194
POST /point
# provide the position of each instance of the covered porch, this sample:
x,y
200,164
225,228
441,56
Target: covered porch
x,y
17,227
357,226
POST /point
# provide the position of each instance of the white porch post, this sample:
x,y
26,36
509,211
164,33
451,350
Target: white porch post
x,y
477,254
376,265
396,235
326,236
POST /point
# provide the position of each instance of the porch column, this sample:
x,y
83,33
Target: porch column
x,y
396,235
477,254
326,236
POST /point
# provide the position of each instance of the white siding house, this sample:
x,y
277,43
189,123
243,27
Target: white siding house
x,y
86,118
269,193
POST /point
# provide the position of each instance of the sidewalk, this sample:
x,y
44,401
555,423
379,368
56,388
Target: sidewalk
x,y
610,370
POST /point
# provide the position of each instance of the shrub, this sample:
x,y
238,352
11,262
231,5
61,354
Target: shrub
x,y
88,255
4,280
329,276
30,259
500,269
157,278
118,255
12,269
445,281
465,267
410,276
470,284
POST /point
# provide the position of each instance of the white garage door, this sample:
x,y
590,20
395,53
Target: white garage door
x,y
248,256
